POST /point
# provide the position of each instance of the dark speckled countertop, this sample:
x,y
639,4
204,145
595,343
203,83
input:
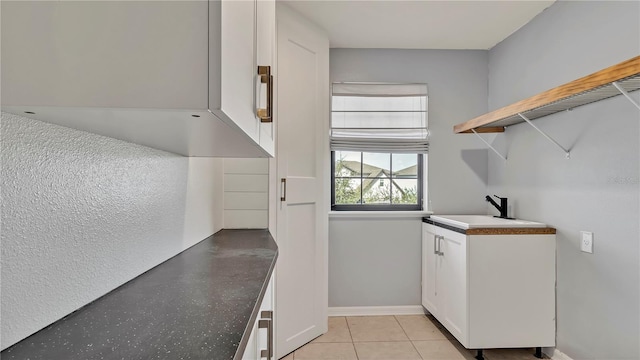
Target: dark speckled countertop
x,y
196,305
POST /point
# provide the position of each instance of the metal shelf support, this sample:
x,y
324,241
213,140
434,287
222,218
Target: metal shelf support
x,y
625,93
490,147
566,152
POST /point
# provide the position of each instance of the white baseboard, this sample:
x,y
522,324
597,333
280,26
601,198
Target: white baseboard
x,y
555,354
376,310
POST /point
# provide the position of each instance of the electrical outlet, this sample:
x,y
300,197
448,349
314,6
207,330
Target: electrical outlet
x,y
586,241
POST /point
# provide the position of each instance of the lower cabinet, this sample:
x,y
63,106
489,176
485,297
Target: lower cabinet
x,y
490,291
261,340
444,289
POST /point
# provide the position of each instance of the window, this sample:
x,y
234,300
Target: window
x,y
379,136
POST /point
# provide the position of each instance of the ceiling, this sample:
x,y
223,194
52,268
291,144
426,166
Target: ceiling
x,y
422,24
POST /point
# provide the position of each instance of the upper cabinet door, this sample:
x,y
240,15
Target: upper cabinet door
x,y
238,69
105,54
242,37
265,55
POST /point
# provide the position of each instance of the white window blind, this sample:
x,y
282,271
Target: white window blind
x,y
379,118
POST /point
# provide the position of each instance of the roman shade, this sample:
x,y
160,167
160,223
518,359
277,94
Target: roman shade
x,y
373,117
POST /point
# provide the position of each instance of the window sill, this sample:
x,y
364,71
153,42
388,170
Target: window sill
x,y
379,214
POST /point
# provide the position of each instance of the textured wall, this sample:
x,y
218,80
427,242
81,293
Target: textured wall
x,y
82,214
598,295
457,172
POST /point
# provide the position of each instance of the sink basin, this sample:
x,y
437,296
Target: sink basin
x,y
483,221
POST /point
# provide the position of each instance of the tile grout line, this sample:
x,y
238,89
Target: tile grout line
x,y
407,335
450,339
351,337
466,353
370,341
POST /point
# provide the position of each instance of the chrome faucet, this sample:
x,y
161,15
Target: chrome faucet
x,y
502,207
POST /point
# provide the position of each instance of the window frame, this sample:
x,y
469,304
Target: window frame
x,y
419,206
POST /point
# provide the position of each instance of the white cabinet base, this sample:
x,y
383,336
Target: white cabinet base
x,y
491,291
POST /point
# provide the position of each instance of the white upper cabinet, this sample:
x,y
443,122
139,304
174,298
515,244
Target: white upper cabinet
x,y
266,51
180,76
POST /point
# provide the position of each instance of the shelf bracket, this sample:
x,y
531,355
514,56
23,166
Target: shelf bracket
x,y
489,145
625,93
566,152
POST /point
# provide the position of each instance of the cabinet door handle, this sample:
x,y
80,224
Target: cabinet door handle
x,y
283,189
268,324
266,115
437,245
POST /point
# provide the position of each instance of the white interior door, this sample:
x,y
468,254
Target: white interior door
x,y
303,163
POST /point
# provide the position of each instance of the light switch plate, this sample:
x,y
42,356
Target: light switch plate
x,y
586,241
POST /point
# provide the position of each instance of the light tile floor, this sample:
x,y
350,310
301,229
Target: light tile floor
x,y
406,337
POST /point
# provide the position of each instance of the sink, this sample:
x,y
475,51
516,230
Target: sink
x,y
483,221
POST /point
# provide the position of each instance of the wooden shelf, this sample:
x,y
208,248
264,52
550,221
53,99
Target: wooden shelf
x,y
588,89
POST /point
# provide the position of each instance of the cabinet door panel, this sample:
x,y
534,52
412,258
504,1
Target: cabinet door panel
x,y
265,54
259,338
430,263
251,351
263,334
453,279
239,71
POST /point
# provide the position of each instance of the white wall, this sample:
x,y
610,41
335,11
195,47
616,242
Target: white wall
x,y
203,213
598,295
82,214
246,193
457,174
